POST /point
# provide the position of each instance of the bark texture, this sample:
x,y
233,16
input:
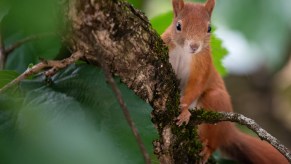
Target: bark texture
x,y
113,32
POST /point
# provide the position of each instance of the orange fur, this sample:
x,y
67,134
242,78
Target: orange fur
x,y
202,86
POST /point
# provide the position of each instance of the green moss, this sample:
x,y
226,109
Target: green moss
x,y
164,55
205,116
167,117
188,146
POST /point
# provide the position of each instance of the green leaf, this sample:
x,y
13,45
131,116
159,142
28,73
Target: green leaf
x,y
161,22
7,76
218,53
32,18
21,57
4,8
136,3
75,118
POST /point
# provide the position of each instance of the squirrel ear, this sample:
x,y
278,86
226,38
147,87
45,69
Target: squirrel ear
x,y
178,5
209,5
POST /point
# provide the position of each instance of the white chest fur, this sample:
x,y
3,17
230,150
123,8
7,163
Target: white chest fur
x,y
180,60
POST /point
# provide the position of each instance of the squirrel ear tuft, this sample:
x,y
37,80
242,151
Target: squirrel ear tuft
x,y
178,5
209,5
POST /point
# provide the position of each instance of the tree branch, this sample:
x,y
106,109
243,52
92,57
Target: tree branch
x,y
201,116
54,65
2,52
19,43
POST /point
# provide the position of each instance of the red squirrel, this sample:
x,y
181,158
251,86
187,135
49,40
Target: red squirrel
x,y
188,40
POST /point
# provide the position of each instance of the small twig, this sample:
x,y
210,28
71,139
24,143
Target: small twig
x,y
121,102
118,94
125,112
55,65
19,43
241,119
2,52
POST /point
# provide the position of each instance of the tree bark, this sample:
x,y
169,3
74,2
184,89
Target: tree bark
x,y
121,35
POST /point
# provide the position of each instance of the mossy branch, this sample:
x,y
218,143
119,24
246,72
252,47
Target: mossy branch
x,y
52,65
202,116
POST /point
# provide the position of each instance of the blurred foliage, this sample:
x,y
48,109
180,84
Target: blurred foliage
x,y
136,3
7,76
73,118
265,23
218,52
30,18
4,8
161,22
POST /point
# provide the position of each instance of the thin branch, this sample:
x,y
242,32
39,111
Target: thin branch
x,y
19,43
121,102
213,117
55,65
126,113
2,52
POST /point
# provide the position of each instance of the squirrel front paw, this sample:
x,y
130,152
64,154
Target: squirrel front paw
x,y
184,117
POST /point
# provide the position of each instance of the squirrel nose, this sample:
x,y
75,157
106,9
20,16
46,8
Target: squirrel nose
x,y
194,47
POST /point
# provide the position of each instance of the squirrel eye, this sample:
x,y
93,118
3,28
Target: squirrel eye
x,y
209,29
179,26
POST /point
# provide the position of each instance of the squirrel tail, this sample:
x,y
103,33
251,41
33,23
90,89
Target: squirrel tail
x,y
250,150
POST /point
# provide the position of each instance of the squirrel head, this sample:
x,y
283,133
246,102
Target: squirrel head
x,y
191,26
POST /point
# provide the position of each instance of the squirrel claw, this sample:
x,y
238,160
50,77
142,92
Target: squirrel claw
x,y
184,117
